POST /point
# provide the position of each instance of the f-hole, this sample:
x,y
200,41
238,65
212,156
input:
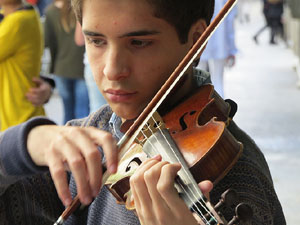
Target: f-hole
x,y
182,122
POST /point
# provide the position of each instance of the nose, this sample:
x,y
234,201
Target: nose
x,y
116,65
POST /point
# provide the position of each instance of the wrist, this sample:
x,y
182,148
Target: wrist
x,y
37,140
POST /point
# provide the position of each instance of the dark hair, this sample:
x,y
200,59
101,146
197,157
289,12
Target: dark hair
x,y
181,14
67,19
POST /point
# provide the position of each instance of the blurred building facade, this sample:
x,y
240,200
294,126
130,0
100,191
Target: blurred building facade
x,y
292,30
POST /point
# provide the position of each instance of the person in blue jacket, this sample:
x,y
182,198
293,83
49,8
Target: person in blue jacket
x,y
220,50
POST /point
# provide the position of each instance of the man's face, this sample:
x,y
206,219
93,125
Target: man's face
x,y
130,51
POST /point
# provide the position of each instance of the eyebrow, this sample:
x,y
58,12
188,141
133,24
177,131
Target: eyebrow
x,y
130,34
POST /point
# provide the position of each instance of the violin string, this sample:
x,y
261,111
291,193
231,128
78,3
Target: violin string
x,y
182,186
153,147
187,174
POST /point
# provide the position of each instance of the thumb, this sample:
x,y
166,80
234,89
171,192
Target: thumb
x,y
37,81
206,186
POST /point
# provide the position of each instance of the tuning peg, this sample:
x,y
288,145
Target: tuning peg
x,y
229,198
243,213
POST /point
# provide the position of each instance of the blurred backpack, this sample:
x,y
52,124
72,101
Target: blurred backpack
x,y
273,9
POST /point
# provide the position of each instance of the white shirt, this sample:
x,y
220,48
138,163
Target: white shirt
x,y
222,43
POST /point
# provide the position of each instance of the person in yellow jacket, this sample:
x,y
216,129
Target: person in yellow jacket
x,y
21,48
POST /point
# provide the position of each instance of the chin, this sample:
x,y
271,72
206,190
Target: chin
x,y
126,113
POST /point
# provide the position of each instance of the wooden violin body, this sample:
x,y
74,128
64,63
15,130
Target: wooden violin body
x,y
198,126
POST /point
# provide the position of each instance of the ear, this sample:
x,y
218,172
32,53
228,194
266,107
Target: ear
x,y
195,32
197,29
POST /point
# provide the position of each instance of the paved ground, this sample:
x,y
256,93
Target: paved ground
x,y
263,83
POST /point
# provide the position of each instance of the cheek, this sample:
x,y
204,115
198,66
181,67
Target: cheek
x,y
94,60
160,72
154,78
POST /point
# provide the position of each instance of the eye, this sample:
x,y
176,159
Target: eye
x,y
140,43
95,41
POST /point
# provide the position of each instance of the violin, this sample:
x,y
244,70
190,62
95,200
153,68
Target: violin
x,y
193,134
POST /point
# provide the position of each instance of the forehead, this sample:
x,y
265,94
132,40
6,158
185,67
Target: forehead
x,y
119,3
117,13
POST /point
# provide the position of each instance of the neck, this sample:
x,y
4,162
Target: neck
x,y
183,88
10,8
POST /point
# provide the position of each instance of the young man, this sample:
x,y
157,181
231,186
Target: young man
x,y
133,46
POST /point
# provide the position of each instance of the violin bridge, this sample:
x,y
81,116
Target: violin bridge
x,y
154,124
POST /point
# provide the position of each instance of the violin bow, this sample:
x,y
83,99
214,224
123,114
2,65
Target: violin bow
x,y
130,135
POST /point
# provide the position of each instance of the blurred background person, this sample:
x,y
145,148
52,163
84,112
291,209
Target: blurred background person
x,y
66,59
95,96
272,11
275,12
220,50
21,44
267,22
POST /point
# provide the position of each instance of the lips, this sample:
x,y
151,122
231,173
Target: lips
x,y
119,95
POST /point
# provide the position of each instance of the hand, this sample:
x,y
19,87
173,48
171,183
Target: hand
x,y
155,197
40,94
230,61
74,148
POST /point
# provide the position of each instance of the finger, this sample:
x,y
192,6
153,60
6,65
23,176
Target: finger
x,y
37,81
152,177
166,188
136,200
109,146
206,186
59,177
31,96
139,189
92,158
77,165
35,91
171,207
34,100
138,182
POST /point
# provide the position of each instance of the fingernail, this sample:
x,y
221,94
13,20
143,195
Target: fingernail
x,y
157,157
